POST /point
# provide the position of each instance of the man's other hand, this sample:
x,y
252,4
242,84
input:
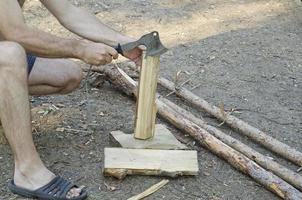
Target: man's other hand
x,y
96,53
135,55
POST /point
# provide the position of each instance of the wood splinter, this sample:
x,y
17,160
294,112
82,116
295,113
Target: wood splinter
x,y
150,190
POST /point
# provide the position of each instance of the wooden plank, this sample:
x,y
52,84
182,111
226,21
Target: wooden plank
x,y
119,162
146,106
150,190
163,139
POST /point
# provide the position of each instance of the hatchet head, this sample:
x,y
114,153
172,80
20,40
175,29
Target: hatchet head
x,y
151,41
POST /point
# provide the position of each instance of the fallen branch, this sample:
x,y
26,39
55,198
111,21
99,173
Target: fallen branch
x,y
272,182
288,175
150,190
267,141
236,159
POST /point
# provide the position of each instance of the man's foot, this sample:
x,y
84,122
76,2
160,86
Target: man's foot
x,y
33,179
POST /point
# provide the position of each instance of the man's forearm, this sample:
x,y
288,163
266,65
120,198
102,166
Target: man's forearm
x,y
86,25
46,45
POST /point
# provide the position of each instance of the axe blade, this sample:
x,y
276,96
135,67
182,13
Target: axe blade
x,y
151,41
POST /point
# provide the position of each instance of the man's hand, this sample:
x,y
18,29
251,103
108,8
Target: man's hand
x,y
135,55
96,53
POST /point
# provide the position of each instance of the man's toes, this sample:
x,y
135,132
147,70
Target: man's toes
x,y
75,192
72,193
80,189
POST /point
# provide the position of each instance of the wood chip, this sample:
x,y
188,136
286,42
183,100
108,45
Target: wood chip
x,y
150,190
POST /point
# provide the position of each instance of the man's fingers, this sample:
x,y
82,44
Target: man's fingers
x,y
113,52
142,47
108,59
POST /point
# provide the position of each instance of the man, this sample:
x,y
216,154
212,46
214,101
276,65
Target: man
x,y
22,74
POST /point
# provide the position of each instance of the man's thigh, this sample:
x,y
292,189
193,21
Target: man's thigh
x,y
53,72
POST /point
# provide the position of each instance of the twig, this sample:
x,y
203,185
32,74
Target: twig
x,y
87,94
150,190
182,84
196,86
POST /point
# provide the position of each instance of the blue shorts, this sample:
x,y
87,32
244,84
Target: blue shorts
x,y
30,62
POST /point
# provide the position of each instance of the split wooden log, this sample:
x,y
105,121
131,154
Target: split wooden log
x,y
286,174
246,129
145,106
272,182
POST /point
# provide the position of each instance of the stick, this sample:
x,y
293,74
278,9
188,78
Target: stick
x,y
235,158
150,190
293,178
146,107
255,134
278,186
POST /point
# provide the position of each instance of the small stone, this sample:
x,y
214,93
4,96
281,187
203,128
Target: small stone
x,y
60,129
206,174
60,105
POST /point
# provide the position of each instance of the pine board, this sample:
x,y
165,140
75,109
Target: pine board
x,y
120,162
163,139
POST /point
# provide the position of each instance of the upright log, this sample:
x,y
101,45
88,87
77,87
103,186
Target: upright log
x,y
278,186
146,107
286,174
255,134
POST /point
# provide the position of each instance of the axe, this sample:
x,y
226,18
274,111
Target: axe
x,y
151,41
146,107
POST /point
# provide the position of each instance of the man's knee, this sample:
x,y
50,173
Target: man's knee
x,y
12,56
73,78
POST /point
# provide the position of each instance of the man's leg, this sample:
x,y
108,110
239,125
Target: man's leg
x,y
54,76
30,172
15,117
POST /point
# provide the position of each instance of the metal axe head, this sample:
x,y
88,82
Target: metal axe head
x,y
151,41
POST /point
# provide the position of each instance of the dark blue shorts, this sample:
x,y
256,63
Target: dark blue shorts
x,y
30,62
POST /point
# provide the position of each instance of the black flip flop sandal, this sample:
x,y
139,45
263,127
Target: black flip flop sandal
x,y
56,189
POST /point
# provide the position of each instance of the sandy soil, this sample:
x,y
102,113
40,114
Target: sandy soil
x,y
243,53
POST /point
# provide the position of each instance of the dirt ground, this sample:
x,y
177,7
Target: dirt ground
x,y
243,53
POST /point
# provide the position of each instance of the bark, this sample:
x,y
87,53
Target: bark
x,y
236,159
255,134
288,175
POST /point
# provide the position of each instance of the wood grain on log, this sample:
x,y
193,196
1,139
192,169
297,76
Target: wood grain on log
x,y
146,107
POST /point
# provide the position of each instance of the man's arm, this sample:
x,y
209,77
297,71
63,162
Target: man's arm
x,y
83,23
13,28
